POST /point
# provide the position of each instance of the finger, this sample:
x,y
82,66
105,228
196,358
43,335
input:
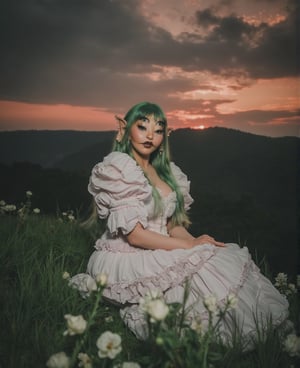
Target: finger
x,y
207,237
219,244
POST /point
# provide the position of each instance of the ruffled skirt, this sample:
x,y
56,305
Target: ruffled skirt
x,y
209,269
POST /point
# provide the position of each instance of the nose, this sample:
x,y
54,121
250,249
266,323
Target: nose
x,y
150,134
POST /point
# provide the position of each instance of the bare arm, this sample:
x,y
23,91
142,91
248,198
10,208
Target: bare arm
x,y
181,233
143,238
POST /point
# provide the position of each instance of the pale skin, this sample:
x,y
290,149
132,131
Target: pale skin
x,y
146,136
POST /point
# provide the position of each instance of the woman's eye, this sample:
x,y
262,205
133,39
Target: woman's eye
x,y
141,127
159,131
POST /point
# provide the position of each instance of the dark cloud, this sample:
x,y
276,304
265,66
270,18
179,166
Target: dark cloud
x,y
60,50
206,18
90,52
264,51
277,54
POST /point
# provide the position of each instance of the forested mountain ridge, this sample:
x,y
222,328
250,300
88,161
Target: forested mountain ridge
x,y
45,147
246,187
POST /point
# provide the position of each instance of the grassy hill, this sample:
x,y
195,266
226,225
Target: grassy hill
x,y
35,253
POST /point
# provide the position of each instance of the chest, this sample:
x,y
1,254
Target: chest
x,y
156,181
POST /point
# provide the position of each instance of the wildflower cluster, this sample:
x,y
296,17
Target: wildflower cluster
x,y
22,211
208,330
292,345
172,332
284,286
108,344
67,216
175,331
214,308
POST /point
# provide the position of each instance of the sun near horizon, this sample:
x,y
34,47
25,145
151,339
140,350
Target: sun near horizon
x,y
199,127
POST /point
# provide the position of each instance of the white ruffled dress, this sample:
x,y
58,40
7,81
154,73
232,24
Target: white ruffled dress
x,y
123,196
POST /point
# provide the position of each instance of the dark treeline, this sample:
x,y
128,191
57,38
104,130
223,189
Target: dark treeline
x,y
245,186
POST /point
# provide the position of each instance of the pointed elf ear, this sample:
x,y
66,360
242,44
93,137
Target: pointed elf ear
x,y
121,128
169,131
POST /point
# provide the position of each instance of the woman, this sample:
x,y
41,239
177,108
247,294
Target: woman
x,y
146,245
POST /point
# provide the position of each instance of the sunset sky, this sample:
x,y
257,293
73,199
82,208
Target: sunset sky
x,y
74,64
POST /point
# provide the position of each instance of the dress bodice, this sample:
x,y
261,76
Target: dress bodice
x,y
123,196
159,223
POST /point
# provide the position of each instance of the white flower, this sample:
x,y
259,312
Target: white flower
x,y
58,360
2,203
64,213
36,210
109,345
28,193
210,303
154,305
281,279
157,310
101,279
232,301
66,275
76,324
291,289
292,345
85,360
10,207
71,218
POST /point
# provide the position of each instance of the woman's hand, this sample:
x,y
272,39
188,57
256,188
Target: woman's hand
x,y
206,239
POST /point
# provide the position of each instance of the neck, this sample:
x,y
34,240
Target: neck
x,y
143,162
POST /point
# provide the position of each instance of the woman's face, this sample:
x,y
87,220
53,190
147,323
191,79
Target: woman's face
x,y
146,136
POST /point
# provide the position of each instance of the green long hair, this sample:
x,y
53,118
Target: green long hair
x,y
160,159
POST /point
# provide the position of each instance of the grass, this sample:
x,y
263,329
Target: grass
x,y
34,299
34,296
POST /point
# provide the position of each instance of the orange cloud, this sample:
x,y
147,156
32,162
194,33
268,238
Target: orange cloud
x,y
20,115
267,94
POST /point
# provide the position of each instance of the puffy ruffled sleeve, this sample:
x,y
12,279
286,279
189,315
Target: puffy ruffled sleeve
x,y
184,185
121,192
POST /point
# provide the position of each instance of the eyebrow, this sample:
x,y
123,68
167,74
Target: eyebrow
x,y
157,122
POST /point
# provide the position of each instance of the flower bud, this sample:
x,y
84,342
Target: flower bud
x,y
76,325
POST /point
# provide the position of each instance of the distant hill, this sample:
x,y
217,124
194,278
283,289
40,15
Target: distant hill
x,y
45,147
246,187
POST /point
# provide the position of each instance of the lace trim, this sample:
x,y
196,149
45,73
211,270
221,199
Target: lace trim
x,y
124,292
124,248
